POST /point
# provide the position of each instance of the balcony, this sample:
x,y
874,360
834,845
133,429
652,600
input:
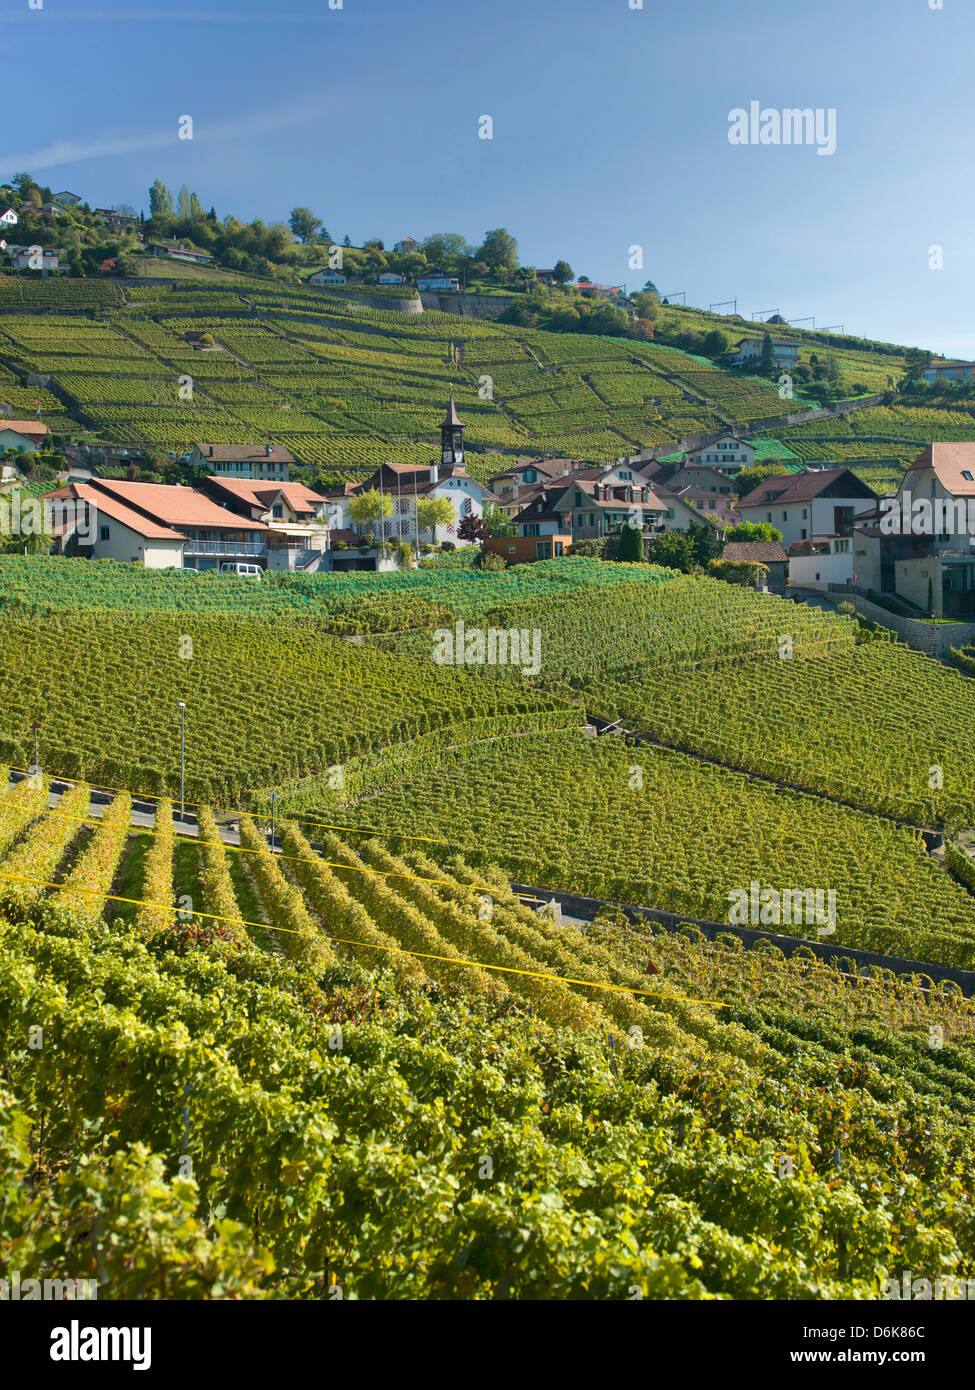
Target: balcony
x,y
255,547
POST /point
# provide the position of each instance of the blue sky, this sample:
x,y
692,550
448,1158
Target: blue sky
x,y
610,130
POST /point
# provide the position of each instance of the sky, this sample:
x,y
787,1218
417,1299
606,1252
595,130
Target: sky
x,y
611,123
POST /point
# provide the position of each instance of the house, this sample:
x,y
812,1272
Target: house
x,y
771,554
602,291
21,258
388,278
726,454
438,282
327,277
820,564
51,209
116,221
22,436
518,550
514,486
680,513
748,353
8,217
255,461
948,370
545,277
592,502
295,515
919,544
162,526
810,505
717,509
702,479
407,246
66,200
172,251
406,483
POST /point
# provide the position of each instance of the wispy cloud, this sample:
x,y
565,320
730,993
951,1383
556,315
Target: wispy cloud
x,y
114,143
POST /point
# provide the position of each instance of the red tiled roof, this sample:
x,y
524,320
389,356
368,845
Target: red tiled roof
x,y
948,461
175,506
794,487
243,453
24,426
264,494
118,511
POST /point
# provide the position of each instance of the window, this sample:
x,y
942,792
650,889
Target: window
x,y
802,534
805,513
769,514
531,528
530,475
277,510
967,474
578,501
558,548
103,533
785,516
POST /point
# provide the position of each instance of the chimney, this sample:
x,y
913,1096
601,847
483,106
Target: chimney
x,y
434,473
268,449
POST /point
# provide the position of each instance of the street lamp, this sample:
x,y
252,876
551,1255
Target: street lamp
x,y
37,762
181,706
274,797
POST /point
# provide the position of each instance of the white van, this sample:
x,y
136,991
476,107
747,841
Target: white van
x,y
237,567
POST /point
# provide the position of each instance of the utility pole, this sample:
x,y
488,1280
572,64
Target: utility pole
x,y
181,705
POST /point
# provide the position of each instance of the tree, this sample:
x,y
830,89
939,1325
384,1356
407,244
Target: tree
x,y
432,512
304,224
160,200
757,473
196,208
916,360
446,248
562,273
766,365
715,343
748,572
370,507
631,545
647,305
499,249
183,202
672,550
642,329
703,542
496,520
651,288
754,531
471,528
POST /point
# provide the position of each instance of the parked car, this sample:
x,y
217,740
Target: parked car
x,y
238,567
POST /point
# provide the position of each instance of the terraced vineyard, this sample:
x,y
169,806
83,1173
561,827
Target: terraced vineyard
x,y
555,1124
262,703
344,385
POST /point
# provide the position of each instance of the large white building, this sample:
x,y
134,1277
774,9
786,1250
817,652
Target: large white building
x,y
812,505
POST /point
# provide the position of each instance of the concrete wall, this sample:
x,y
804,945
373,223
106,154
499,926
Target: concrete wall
x,y
816,571
932,638
471,306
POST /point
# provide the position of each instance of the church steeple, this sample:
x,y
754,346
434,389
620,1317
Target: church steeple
x,y
452,437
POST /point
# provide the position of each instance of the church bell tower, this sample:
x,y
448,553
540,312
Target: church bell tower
x,y
452,439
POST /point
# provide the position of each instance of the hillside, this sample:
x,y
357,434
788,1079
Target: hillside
x,y
345,386
346,1079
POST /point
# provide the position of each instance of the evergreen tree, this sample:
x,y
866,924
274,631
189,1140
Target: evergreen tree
x,y
767,365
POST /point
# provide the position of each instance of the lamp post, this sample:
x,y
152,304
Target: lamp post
x,y
181,706
274,797
37,760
